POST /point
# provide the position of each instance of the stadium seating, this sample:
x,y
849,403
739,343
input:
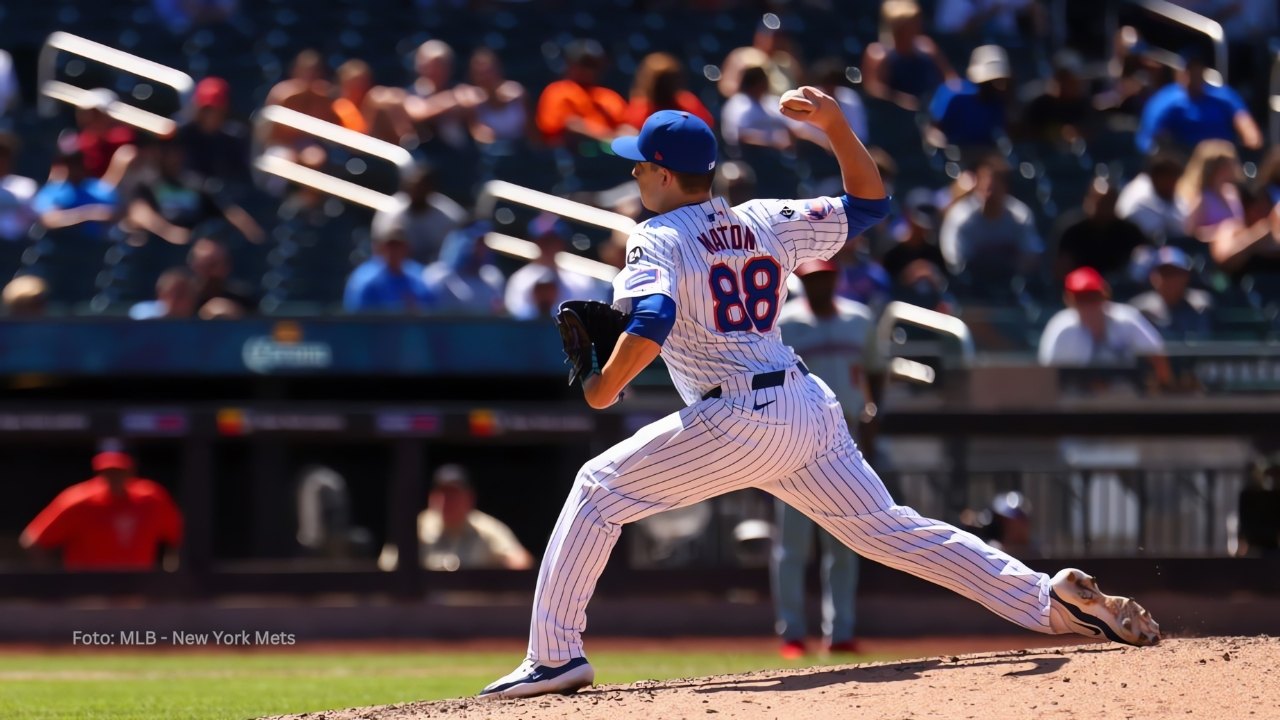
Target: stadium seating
x,y
307,264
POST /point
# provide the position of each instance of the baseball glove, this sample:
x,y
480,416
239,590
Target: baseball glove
x,y
588,331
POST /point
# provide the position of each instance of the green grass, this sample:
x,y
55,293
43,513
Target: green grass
x,y
181,686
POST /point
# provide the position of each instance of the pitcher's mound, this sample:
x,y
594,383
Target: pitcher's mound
x,y
1228,677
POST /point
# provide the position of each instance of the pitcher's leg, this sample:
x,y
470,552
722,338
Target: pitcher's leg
x,y
677,461
788,561
839,589
580,545
844,495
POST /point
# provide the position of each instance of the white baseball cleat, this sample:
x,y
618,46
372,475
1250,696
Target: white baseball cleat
x,y
531,679
1079,606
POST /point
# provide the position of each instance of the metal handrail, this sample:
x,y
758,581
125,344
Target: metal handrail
x,y
284,167
60,42
122,112
901,312
567,261
495,190
1189,19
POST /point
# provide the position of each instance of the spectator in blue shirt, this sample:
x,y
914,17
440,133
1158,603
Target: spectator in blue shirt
x,y
973,111
1190,110
74,199
463,280
388,282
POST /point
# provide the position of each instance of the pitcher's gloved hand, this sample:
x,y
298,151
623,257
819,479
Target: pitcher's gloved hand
x,y
588,332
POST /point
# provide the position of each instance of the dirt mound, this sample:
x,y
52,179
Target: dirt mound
x,y
1227,677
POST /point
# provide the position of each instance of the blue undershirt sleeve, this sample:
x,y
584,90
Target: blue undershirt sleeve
x,y
652,317
863,213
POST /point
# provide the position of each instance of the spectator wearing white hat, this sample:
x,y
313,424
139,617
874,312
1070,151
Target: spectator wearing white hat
x,y
973,111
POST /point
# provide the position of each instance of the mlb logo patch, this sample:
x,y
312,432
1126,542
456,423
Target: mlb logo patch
x,y
644,277
817,209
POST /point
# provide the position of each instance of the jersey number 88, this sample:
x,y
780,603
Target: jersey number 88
x,y
733,312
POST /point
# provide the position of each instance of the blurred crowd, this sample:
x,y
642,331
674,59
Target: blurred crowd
x,y
1162,219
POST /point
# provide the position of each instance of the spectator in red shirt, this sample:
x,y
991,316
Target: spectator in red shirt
x,y
113,521
98,136
660,85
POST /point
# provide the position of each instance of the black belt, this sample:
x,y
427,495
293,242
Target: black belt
x,y
759,381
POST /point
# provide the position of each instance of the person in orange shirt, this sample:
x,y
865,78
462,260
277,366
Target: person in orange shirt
x,y
355,80
577,104
113,521
660,85
371,109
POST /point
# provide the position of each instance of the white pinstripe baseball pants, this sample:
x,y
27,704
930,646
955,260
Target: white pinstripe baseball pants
x,y
795,446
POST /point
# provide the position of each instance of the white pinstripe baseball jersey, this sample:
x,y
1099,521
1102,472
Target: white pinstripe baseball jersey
x,y
726,269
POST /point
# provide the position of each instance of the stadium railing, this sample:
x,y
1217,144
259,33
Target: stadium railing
x,y
267,161
1176,14
500,190
52,90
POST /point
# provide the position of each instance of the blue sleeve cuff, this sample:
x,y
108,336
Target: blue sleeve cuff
x,y
862,213
652,317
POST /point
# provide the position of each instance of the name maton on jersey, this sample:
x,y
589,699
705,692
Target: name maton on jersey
x,y
727,237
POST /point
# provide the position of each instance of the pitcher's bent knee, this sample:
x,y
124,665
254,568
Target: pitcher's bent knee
x,y
596,499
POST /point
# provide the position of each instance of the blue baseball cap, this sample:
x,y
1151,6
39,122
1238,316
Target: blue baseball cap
x,y
1170,256
673,139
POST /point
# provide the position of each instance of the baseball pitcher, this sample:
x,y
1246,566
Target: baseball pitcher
x,y
703,285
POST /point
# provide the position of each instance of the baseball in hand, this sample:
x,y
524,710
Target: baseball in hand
x,y
796,102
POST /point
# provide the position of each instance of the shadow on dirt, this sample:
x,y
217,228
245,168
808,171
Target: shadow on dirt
x,y
893,672
1025,665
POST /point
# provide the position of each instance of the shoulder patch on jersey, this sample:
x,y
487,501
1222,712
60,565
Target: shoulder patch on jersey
x,y
648,276
817,209
786,212
634,255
